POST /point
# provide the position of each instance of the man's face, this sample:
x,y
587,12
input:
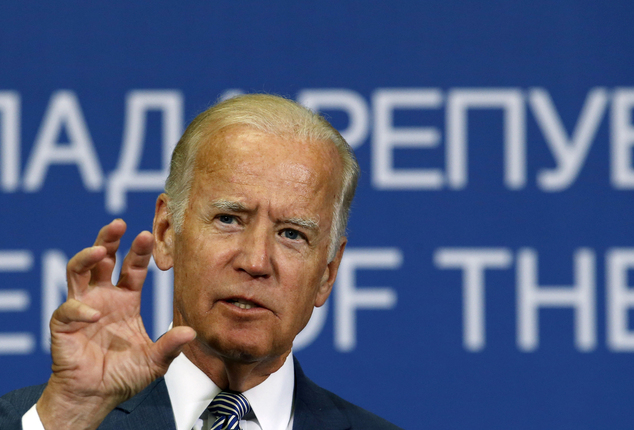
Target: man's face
x,y
251,260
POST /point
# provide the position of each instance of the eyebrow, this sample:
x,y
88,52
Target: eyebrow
x,y
310,224
233,206
229,205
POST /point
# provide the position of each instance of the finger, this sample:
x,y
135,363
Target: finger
x,y
109,237
78,269
134,267
168,346
73,311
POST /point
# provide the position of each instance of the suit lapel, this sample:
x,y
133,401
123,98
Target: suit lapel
x,y
150,409
313,407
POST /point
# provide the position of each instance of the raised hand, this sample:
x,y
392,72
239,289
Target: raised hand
x,y
101,352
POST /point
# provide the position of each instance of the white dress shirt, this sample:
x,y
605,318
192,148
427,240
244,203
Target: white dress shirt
x,y
191,391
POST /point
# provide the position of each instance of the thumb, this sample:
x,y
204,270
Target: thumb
x,y
168,346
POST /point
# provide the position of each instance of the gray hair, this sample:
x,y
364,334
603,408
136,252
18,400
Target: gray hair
x,y
269,114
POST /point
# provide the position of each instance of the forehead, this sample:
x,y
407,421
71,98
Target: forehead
x,y
242,154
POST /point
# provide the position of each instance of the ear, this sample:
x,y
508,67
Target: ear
x,y
163,231
330,274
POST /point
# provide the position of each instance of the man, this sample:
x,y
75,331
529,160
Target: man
x,y
252,222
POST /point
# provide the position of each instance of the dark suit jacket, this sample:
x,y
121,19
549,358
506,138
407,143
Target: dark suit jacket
x,y
315,408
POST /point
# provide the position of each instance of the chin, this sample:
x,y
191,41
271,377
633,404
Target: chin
x,y
250,353
244,345
241,355
242,352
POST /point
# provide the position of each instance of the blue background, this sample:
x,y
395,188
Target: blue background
x,y
409,364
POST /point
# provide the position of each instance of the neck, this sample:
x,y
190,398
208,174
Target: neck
x,y
230,373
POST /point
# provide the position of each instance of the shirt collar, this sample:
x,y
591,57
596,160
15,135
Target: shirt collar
x,y
191,391
272,400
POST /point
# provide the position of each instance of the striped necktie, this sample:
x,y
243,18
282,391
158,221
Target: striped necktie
x,y
229,408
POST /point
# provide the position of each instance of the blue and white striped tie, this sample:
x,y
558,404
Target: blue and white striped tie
x,y
229,408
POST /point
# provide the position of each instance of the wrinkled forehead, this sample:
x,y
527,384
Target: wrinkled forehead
x,y
306,159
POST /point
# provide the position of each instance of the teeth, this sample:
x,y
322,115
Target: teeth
x,y
243,304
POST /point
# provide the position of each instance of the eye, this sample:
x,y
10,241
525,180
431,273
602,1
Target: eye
x,y
226,219
291,234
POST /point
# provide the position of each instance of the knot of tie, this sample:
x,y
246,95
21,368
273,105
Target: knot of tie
x,y
229,408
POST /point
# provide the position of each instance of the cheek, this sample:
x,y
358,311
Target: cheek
x,y
303,288
188,277
193,256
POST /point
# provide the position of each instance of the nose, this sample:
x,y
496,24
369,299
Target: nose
x,y
254,256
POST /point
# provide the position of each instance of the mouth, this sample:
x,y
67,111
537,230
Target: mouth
x,y
243,304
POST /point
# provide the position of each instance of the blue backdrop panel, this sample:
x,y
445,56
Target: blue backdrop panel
x,y
487,280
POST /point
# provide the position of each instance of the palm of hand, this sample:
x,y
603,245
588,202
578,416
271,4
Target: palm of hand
x,y
98,341
101,352
110,357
